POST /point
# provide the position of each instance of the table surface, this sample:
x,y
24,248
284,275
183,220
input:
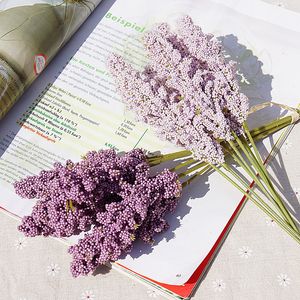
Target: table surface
x,y
257,261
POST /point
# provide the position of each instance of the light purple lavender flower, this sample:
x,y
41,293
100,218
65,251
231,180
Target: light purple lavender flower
x,y
188,92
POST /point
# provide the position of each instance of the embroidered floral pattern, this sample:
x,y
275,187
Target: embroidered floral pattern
x,y
283,280
88,295
245,252
53,269
20,243
219,285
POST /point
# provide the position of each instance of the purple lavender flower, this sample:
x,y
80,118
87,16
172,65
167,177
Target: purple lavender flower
x,y
70,196
114,196
140,214
188,92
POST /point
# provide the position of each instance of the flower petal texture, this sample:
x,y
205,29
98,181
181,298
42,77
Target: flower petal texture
x,y
188,92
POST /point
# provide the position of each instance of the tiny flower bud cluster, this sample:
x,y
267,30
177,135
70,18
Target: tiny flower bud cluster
x,y
188,92
112,196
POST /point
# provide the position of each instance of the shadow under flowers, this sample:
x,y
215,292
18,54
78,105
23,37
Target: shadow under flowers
x,y
196,191
280,179
257,86
254,83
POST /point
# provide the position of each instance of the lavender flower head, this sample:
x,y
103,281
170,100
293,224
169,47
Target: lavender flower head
x,y
114,196
188,92
70,196
139,215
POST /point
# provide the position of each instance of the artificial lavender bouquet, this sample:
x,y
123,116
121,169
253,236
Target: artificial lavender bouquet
x,y
189,93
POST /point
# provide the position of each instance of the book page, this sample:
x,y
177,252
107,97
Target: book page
x,y
73,108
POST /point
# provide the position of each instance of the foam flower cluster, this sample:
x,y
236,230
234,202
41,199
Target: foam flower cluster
x,y
113,196
139,215
70,196
188,92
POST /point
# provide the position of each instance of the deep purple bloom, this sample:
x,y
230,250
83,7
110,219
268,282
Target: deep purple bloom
x,y
70,196
114,196
140,214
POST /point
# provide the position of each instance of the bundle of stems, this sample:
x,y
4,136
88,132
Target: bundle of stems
x,y
245,154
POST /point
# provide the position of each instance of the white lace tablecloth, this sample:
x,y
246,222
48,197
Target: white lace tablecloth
x,y
257,261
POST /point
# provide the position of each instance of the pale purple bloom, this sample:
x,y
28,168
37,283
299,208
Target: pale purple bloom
x,y
188,92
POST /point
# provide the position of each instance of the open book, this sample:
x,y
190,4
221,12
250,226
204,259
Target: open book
x,y
72,107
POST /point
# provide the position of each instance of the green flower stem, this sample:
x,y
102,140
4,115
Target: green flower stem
x,y
247,186
254,162
274,217
270,191
201,172
285,121
257,134
190,170
156,160
262,135
257,197
256,152
188,162
268,181
257,161
237,156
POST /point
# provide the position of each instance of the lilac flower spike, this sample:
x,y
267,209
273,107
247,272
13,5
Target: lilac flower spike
x,y
140,215
188,92
70,196
114,197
